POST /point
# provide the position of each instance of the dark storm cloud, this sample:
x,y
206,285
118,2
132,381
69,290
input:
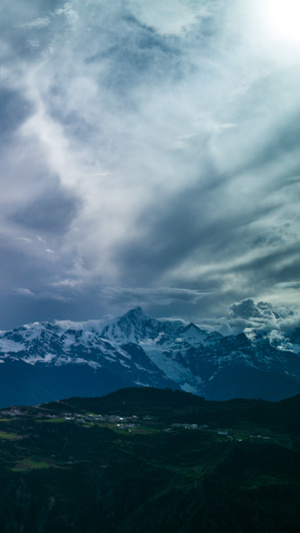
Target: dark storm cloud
x,y
247,309
52,212
202,224
120,298
277,266
14,109
149,157
256,319
248,315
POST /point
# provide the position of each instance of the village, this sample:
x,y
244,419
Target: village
x,y
146,424
135,424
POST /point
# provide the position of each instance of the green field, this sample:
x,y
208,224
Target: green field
x,y
147,460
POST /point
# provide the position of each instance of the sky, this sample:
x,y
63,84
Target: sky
x,y
149,155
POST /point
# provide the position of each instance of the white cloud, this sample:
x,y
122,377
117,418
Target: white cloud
x,y
67,11
23,239
35,24
26,292
171,17
66,283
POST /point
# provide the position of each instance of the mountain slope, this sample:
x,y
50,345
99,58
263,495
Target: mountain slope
x,y
44,361
145,460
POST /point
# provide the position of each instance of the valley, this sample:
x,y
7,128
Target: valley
x,y
144,459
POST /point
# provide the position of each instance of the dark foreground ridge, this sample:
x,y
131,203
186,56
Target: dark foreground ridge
x,y
148,460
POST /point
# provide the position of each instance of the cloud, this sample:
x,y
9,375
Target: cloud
x,y
53,211
23,239
36,23
26,292
247,309
150,146
67,11
169,17
156,299
14,109
248,316
65,283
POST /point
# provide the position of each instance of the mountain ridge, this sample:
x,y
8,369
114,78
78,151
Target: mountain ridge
x,y
136,349
148,460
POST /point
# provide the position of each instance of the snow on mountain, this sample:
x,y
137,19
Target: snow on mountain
x,y
136,349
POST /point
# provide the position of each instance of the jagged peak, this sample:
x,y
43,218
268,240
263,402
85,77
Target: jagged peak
x,y
136,313
192,326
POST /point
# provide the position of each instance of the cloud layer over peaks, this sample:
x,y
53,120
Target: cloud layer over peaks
x,y
149,154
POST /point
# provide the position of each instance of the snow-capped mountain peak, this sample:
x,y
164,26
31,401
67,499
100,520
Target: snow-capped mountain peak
x,y
136,349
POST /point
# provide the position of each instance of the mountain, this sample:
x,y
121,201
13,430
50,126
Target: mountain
x,y
47,361
145,460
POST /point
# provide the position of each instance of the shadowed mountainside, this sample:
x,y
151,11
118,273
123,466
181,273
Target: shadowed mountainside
x,y
48,361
